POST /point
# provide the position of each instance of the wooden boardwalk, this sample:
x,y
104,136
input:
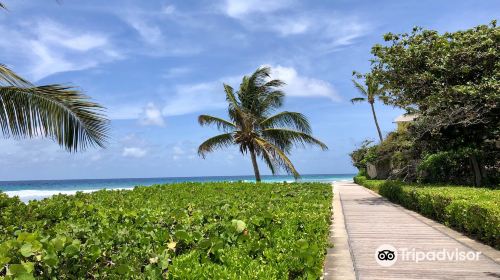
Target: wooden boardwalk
x,y
364,221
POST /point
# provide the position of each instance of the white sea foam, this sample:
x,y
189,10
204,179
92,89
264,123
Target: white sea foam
x,y
27,195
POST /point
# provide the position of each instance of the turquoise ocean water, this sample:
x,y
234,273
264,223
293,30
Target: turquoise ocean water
x,y
28,190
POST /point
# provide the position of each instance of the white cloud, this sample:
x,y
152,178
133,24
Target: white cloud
x,y
168,9
291,26
151,115
300,86
341,32
150,33
134,152
152,29
205,96
45,47
239,8
124,112
194,98
176,72
327,32
177,150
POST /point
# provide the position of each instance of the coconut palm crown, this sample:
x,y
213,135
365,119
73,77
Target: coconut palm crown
x,y
369,91
255,126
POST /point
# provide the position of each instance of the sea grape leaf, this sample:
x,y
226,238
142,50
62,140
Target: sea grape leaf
x,y
181,235
26,250
205,244
239,225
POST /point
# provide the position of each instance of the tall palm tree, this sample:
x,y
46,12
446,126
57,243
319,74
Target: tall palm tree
x,y
369,91
55,111
256,128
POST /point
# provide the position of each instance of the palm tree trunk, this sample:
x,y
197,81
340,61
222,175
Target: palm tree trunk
x,y
255,165
376,122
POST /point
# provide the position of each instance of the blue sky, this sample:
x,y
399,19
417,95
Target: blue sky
x,y
156,65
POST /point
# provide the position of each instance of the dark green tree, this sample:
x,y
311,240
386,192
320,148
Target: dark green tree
x,y
453,81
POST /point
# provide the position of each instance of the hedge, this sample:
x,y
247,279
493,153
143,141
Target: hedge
x,y
473,211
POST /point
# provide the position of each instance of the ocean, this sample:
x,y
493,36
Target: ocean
x,y
39,189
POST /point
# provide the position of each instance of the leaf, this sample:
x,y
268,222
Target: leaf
x,y
26,250
71,250
24,276
239,225
122,269
51,259
29,266
4,261
58,243
182,235
16,269
205,244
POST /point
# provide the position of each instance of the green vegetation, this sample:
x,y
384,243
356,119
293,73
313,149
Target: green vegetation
x,y
178,231
371,184
451,81
474,211
256,128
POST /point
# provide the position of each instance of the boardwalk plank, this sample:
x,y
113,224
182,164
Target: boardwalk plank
x,y
371,221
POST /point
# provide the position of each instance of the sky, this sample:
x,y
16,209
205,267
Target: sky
x,y
157,65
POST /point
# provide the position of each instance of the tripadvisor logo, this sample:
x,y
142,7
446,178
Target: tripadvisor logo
x,y
386,255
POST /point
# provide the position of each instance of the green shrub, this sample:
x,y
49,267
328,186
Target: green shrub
x,y
179,231
371,184
474,211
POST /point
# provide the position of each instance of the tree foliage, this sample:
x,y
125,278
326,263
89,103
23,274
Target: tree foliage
x,y
452,81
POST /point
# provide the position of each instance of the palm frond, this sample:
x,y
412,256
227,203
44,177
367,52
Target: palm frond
x,y
231,99
285,138
274,83
272,100
214,143
285,119
9,78
268,160
61,113
357,100
220,123
277,156
362,89
260,76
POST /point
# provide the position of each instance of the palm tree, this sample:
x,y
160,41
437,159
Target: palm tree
x,y
256,128
59,112
369,92
55,111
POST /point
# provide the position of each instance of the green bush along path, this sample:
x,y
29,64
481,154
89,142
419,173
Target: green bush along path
x,y
474,211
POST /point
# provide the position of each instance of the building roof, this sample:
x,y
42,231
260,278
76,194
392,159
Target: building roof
x,y
405,118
